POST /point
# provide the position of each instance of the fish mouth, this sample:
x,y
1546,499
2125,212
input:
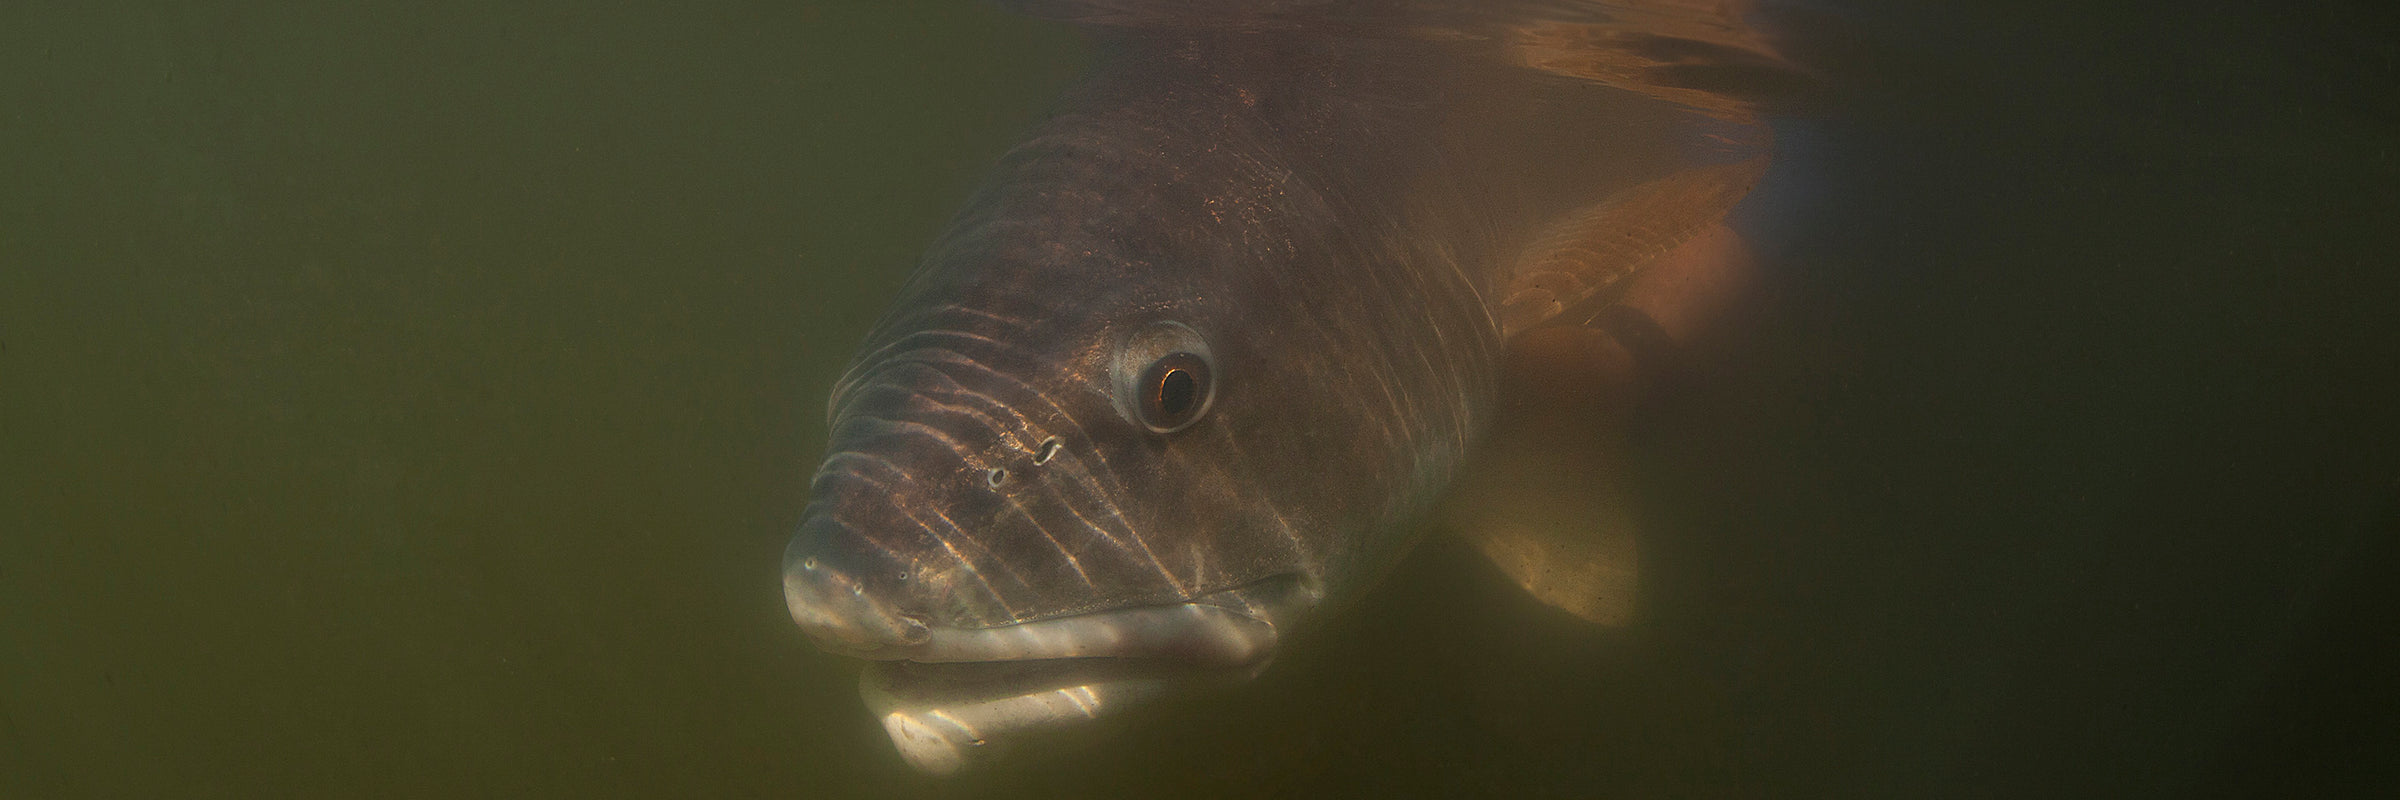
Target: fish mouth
x,y
946,697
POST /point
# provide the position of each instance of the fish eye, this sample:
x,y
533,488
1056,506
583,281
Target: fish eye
x,y
1165,377
1174,390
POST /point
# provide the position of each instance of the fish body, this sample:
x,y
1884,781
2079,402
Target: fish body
x,y
1200,353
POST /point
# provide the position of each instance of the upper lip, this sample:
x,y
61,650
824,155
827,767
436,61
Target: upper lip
x,y
1227,628
1195,632
941,690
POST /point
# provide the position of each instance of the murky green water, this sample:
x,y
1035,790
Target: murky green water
x,y
414,402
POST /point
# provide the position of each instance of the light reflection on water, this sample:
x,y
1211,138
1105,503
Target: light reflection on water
x,y
406,403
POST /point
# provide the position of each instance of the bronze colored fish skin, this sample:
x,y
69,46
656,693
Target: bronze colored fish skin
x,y
1181,196
1331,238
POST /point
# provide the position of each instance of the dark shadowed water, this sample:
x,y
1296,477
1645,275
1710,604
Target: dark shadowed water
x,y
414,401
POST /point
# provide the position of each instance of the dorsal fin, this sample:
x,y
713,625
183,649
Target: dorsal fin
x,y
1588,251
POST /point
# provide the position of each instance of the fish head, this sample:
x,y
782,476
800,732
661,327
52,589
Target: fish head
x,y
1044,475
976,480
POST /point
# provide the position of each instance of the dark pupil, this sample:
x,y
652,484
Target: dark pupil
x,y
1176,391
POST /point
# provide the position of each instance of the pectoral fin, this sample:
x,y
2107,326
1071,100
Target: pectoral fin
x,y
1546,497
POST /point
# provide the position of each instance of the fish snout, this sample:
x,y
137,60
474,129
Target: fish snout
x,y
833,600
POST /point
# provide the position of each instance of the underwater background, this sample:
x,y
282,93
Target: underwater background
x,y
414,400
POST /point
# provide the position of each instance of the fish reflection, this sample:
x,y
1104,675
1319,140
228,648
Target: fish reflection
x,y
1209,345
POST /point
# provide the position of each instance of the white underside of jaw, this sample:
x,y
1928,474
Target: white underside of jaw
x,y
961,688
938,740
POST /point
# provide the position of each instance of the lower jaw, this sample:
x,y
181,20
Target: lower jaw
x,y
940,716
909,685
940,712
